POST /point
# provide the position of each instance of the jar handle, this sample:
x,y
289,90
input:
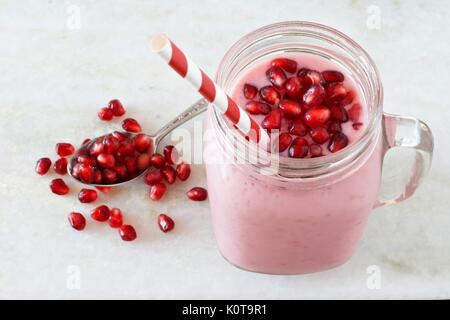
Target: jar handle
x,y
406,132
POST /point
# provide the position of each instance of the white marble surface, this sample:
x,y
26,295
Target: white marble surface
x,y
54,78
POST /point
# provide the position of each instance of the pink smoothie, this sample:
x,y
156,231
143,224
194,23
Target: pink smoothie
x,y
283,227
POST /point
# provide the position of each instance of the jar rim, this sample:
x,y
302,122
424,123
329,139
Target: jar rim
x,y
322,165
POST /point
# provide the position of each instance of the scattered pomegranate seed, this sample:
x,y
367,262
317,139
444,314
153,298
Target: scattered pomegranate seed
x,y
157,191
299,148
334,127
294,88
284,141
250,91
197,194
332,76
183,171
96,148
131,125
272,120
315,150
153,177
109,176
270,95
357,125
127,233
297,128
336,92
77,221
171,154
314,95
59,187
105,114
354,112
338,113
143,143
287,65
158,160
320,135
257,107
64,149
338,142
87,195
115,218
317,116
169,174
165,223
117,108
43,165
291,108
105,160
143,162
100,213
103,189
276,77
86,173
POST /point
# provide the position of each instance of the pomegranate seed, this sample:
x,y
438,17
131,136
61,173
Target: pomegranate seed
x,y
299,148
76,171
86,173
115,218
315,150
314,78
334,127
297,128
354,112
119,136
357,125
59,187
96,148
284,141
157,191
64,149
287,65
125,148
165,223
109,176
317,116
127,233
314,95
85,141
320,135
270,95
250,91
158,160
348,98
104,189
338,142
105,160
130,163
77,221
294,88
332,76
336,92
100,213
97,176
110,144
291,108
105,114
276,77
197,194
143,162
272,120
183,171
257,107
169,173
131,125
121,171
171,154
87,160
143,143
43,165
153,177
303,72
117,108
338,113
87,195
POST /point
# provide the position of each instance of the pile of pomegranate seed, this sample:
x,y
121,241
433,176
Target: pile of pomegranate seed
x,y
313,104
118,157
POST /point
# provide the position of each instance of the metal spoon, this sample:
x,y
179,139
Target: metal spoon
x,y
197,108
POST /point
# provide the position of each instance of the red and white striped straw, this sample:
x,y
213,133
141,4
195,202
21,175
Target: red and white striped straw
x,y
188,70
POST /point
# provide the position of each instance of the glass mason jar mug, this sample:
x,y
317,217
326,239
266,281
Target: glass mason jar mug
x,y
309,214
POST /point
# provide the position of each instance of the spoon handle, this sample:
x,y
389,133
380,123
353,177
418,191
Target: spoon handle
x,y
191,112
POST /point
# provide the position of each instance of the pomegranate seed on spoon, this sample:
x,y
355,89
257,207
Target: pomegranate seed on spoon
x,y
157,191
257,107
109,176
197,194
165,223
276,77
299,148
100,213
116,107
127,233
157,160
105,160
96,148
64,149
338,142
115,218
87,195
119,136
59,187
121,171
105,114
270,95
42,166
77,221
316,116
250,91
86,173
110,144
287,65
183,171
143,143
143,162
291,108
131,125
